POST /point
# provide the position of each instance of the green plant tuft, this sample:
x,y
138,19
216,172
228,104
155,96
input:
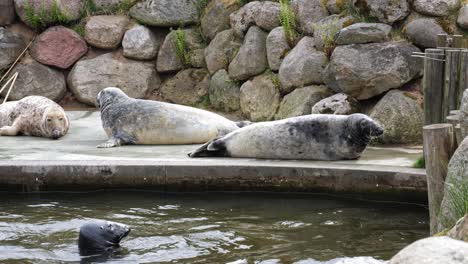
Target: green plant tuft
x,y
457,193
201,5
328,32
79,28
419,163
288,21
273,77
204,102
182,50
41,20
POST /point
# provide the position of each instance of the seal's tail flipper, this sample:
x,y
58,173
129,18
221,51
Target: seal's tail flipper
x,y
213,148
242,124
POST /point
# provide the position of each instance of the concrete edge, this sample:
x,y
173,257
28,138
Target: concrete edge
x,y
214,175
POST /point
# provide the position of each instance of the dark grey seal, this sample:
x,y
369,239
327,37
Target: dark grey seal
x,y
134,121
310,137
101,237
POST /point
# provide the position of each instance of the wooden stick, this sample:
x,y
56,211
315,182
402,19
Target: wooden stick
x,y
16,61
9,80
15,76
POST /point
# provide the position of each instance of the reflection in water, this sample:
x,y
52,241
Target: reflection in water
x,y
208,228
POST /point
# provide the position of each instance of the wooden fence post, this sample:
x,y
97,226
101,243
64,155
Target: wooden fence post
x,y
463,78
452,92
433,83
438,149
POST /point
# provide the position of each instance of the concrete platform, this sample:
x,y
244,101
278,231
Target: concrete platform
x,y
74,162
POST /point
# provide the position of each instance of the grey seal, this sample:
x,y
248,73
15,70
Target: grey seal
x,y
100,237
129,121
310,137
33,116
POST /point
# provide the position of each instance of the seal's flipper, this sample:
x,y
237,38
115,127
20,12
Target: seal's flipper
x,y
112,142
214,148
9,131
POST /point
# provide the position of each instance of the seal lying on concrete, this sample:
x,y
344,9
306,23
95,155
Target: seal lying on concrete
x,y
101,237
312,137
33,116
134,121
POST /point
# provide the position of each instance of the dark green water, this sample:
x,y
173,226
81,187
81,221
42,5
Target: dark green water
x,y
208,228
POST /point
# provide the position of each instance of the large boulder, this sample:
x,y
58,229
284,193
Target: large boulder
x,y
300,101
89,76
277,47
460,230
338,104
436,7
187,87
216,17
11,46
260,98
165,13
221,50
110,4
401,116
105,32
326,30
251,58
381,67
462,19
37,79
361,33
307,13
59,46
433,250
264,14
423,32
140,43
7,12
224,92
386,11
453,204
168,60
45,11
302,66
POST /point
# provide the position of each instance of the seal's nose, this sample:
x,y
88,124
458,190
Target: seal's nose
x,y
56,133
378,131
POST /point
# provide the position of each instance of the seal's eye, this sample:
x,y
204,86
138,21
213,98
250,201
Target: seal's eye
x,y
49,120
101,227
61,119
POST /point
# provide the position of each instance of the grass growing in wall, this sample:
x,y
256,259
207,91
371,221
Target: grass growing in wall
x,y
419,163
288,21
273,77
457,193
328,32
201,5
43,19
182,50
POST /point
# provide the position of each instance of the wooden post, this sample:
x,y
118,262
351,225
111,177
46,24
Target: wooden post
x,y
463,78
454,120
442,40
438,149
433,83
457,41
452,94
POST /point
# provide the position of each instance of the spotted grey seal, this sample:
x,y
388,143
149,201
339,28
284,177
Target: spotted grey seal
x,y
33,116
100,237
135,121
313,137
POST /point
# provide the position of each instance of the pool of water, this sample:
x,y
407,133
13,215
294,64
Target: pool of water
x,y
208,227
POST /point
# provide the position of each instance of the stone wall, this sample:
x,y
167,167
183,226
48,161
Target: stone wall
x,y
339,57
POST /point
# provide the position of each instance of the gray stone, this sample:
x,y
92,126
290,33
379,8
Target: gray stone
x,y
259,98
109,4
386,11
168,61
277,47
327,29
462,19
70,9
464,115
401,117
263,14
37,79
338,104
216,17
105,32
456,187
221,50
89,76
366,70
307,13
301,100
436,7
361,33
165,13
197,58
11,46
302,66
251,58
7,12
187,87
423,32
433,250
140,43
224,92
460,230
